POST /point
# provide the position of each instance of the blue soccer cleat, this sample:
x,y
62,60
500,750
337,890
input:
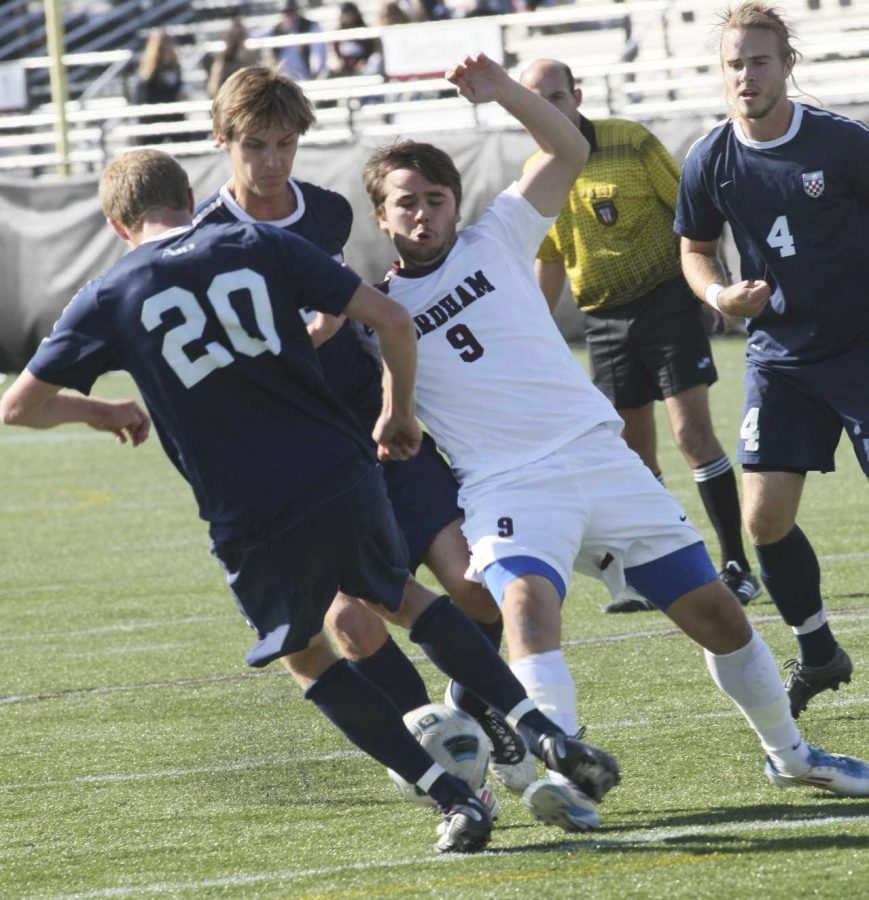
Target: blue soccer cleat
x,y
845,776
553,803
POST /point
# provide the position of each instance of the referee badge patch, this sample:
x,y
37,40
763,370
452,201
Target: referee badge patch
x,y
813,183
606,211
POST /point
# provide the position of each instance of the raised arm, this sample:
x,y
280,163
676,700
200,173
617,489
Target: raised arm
x,y
37,404
397,432
550,277
705,272
546,181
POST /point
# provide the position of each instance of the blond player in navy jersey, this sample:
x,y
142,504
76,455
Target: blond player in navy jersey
x,y
793,183
259,117
546,481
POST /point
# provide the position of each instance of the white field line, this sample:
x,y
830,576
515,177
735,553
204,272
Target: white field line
x,y
112,777
854,616
627,840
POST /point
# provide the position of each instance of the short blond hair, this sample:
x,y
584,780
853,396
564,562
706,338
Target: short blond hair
x,y
139,180
254,98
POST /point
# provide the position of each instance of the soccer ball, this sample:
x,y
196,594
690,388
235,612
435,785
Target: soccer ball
x,y
454,740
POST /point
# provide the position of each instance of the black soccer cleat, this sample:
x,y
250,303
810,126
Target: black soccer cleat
x,y
741,582
627,601
592,770
804,681
466,827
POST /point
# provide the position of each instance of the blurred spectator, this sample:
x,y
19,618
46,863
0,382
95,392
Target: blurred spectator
x,y
393,13
301,62
159,77
159,80
234,56
353,56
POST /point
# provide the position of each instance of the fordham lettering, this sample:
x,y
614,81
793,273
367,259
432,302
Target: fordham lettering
x,y
479,284
451,305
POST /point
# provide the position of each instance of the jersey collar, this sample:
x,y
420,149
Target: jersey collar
x,y
789,135
243,216
166,235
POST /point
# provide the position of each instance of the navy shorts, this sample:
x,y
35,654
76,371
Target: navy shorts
x,y
285,584
424,497
793,418
651,348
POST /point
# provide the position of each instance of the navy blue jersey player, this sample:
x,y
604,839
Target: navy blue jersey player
x,y
206,321
258,116
793,183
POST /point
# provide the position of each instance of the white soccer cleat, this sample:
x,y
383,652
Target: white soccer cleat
x,y
845,776
509,759
561,804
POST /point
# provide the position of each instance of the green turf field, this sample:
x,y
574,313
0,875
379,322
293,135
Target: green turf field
x,y
140,757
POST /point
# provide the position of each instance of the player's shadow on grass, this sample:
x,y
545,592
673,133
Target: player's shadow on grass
x,y
825,808
713,836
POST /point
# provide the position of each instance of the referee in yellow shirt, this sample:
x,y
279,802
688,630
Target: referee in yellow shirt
x,y
614,239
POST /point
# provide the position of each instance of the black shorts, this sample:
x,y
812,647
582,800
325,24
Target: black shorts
x,y
650,348
285,584
424,497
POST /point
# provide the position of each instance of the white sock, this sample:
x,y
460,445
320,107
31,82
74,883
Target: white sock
x,y
549,684
750,678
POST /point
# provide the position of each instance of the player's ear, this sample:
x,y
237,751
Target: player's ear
x,y
191,204
382,224
578,96
119,229
221,141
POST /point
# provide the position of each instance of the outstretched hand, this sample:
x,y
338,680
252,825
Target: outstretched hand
x,y
745,299
123,418
478,78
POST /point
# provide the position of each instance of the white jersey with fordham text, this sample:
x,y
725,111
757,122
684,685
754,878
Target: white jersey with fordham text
x,y
497,385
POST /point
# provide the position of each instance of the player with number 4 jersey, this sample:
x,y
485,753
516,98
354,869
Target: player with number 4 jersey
x,y
793,183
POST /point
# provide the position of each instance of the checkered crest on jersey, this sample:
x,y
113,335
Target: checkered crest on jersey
x,y
813,183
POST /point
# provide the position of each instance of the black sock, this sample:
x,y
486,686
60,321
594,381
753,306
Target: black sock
x,y
464,699
789,569
395,675
447,790
716,483
453,643
370,720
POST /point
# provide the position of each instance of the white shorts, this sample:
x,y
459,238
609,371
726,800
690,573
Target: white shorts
x,y
592,506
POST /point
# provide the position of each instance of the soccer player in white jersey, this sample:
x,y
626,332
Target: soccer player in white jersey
x,y
793,182
547,484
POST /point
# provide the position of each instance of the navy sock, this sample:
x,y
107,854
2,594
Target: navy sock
x,y
457,648
789,569
447,790
453,643
369,719
395,675
464,699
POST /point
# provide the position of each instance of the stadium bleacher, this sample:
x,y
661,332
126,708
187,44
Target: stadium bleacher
x,y
645,59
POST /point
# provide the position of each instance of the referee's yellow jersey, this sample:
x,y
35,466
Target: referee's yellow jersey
x,y
615,231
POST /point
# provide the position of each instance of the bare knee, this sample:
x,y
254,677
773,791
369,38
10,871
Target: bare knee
x,y
697,443
357,630
532,616
713,617
476,601
765,524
